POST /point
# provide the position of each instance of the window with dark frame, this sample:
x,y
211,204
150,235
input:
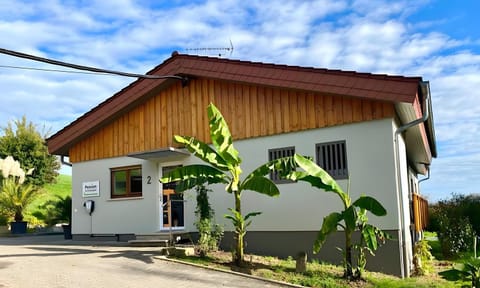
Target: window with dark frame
x,y
332,157
126,182
277,153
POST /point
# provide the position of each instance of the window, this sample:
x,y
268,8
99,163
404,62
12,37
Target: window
x,y
277,153
126,182
332,157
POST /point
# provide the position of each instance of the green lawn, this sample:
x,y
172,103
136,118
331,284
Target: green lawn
x,y
62,188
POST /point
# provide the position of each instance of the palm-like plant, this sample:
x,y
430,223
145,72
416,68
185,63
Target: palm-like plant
x,y
224,167
15,197
351,218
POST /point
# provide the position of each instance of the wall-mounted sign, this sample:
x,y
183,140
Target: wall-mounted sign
x,y
91,189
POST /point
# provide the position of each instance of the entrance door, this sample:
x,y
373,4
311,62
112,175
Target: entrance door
x,y
172,204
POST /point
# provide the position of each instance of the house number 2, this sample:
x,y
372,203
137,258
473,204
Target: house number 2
x,y
149,179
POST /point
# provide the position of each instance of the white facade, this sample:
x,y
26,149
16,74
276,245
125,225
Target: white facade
x,y
371,164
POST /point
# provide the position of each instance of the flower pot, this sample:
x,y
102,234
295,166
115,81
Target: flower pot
x,y
18,227
67,231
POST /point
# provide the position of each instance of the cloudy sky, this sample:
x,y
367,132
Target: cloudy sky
x,y
436,39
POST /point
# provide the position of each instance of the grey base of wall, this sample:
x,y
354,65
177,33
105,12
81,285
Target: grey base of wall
x,y
283,244
103,237
289,243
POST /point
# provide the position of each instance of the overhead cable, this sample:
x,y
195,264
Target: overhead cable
x,y
87,68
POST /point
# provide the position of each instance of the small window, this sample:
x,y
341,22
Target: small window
x,y
126,182
277,153
332,157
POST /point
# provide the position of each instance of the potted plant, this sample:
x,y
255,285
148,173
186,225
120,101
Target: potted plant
x,y
3,223
55,211
15,194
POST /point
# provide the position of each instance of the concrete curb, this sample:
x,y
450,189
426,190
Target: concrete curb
x,y
285,284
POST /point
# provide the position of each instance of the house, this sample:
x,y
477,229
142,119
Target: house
x,y
373,133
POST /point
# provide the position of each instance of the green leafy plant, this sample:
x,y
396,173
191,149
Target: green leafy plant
x,y
351,218
422,258
467,271
210,234
23,141
15,194
456,221
224,167
54,211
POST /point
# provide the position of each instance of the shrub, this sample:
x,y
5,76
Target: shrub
x,y
210,233
456,221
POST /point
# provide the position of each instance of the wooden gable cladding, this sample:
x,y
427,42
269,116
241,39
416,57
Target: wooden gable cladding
x,y
251,111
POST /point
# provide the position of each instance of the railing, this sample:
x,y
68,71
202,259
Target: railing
x,y
420,212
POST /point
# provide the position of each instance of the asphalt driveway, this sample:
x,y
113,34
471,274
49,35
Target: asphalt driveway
x,y
50,261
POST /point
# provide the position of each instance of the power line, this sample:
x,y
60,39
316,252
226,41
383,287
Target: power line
x,y
50,70
88,68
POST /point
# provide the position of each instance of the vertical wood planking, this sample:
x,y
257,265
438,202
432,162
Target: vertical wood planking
x,y
328,106
251,111
320,113
285,111
270,119
294,113
261,124
255,109
310,102
367,110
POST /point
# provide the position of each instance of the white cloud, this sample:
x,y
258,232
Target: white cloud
x,y
367,36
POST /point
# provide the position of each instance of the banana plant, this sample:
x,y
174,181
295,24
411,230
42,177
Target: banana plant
x,y
351,218
223,167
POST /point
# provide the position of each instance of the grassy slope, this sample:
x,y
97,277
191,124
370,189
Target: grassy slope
x,y
62,187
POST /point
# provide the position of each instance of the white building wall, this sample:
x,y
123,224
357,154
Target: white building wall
x,y
371,164
114,215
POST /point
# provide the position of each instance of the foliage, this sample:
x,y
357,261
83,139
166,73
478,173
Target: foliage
x,y
15,194
351,218
58,210
467,271
318,274
22,141
50,192
422,258
209,234
224,168
456,221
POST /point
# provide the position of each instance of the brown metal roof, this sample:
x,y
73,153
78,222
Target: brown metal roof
x,y
335,82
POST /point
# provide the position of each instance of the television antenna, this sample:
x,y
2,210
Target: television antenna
x,y
207,50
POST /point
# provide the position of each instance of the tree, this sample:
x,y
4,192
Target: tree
x,y
351,218
224,167
22,141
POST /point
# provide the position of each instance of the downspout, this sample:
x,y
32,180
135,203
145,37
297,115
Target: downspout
x,y
62,160
403,263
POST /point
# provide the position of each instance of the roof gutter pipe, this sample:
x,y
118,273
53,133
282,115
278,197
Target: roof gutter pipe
x,y
62,160
404,263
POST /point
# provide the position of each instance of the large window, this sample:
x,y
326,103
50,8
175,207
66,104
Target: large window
x,y
277,153
332,157
126,182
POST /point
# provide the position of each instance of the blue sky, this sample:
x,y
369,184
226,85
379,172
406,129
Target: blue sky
x,y
436,39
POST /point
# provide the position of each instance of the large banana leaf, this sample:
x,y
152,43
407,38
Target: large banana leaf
x,y
318,177
221,137
261,185
188,177
203,151
283,166
329,225
370,204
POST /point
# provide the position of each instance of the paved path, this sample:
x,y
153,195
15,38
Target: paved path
x,y
49,261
